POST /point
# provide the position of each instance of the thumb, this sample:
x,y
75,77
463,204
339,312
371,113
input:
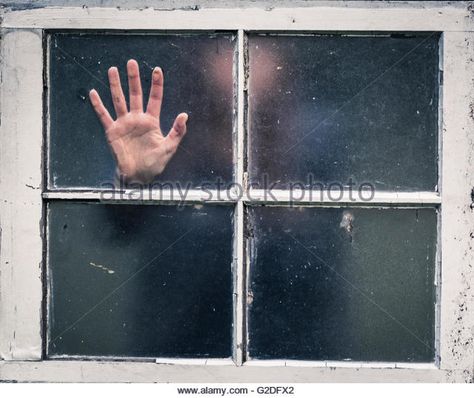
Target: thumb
x,y
178,130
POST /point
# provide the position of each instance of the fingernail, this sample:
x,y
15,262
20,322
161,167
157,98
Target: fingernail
x,y
183,120
156,74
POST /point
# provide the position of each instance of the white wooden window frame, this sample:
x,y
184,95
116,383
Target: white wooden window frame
x,y
22,210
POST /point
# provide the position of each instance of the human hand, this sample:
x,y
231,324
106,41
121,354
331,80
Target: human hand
x,y
135,137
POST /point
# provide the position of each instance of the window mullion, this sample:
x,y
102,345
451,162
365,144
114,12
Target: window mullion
x,y
239,275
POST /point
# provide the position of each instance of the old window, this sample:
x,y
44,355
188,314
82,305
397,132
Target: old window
x,y
317,214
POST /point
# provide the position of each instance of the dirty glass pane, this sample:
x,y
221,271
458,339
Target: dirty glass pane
x,y
341,107
140,281
342,284
198,80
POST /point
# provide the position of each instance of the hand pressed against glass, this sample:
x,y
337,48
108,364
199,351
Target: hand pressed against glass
x,y
141,150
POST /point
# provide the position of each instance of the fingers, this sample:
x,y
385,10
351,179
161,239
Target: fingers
x,y
118,98
178,130
134,86
100,109
156,93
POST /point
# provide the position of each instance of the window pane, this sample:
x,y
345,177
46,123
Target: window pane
x,y
340,107
198,80
140,281
340,284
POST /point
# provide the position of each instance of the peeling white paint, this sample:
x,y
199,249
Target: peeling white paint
x,y
87,371
102,268
21,207
20,177
457,218
367,18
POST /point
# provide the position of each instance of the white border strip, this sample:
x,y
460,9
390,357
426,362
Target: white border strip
x,y
145,360
342,364
196,361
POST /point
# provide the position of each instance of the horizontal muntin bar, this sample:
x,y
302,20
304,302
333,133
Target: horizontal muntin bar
x,y
336,197
155,195
253,196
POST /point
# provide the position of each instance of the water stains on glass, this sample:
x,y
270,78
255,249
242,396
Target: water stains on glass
x,y
340,284
140,281
339,107
198,80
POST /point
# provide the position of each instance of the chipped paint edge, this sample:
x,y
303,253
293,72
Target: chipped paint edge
x,y
457,209
395,18
103,371
21,205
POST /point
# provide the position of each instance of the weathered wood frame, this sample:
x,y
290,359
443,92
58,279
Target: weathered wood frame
x,y
21,182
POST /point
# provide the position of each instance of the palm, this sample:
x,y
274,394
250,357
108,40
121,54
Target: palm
x,y
140,149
